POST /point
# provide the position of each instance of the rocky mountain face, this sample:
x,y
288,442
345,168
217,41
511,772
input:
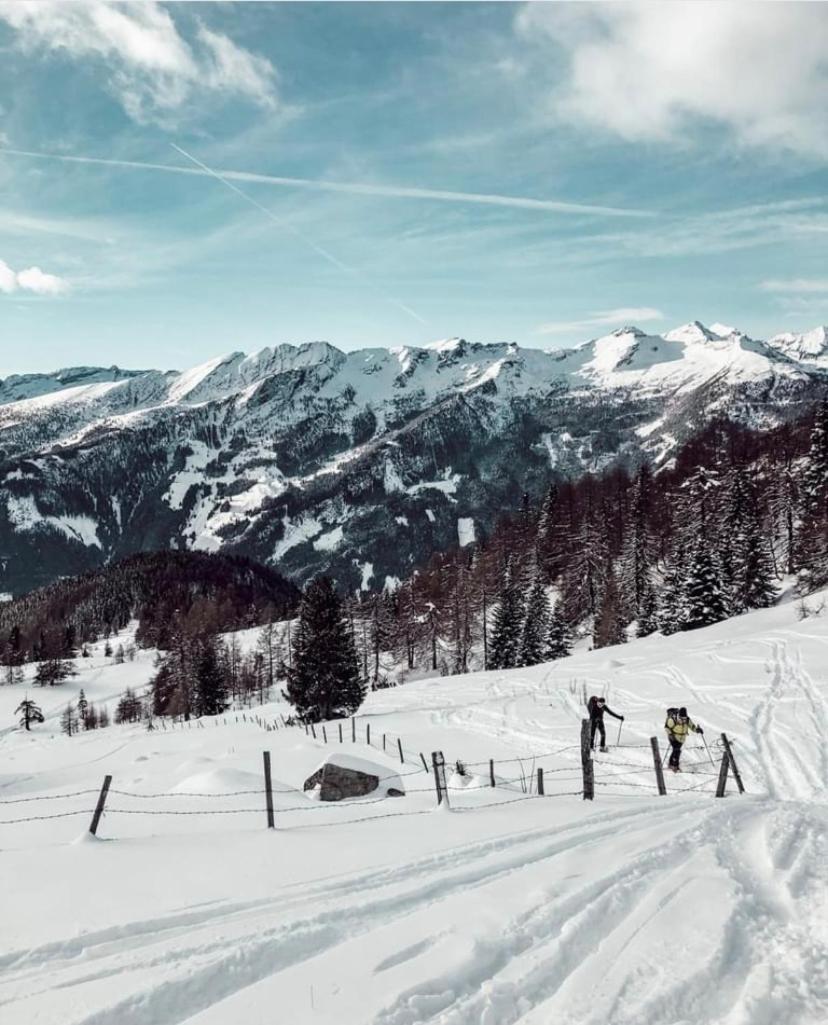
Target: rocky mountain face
x,y
360,463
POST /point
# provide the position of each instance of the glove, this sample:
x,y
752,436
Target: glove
x,y
621,717
699,730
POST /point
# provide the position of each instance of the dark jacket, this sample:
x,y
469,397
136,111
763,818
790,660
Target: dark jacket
x,y
596,711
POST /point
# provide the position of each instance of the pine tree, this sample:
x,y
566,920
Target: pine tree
x,y
705,596
638,555
507,628
103,718
83,706
672,607
609,626
550,546
559,639
813,531
324,680
533,645
583,576
746,556
29,712
210,691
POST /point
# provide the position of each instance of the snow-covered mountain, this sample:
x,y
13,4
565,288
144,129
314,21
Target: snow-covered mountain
x,y
810,347
360,462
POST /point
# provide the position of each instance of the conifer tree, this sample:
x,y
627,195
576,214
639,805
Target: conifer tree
x,y
609,626
210,691
705,597
83,706
29,713
534,641
746,556
559,639
324,681
813,530
507,626
638,550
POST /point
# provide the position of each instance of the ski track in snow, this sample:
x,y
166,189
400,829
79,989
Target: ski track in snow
x,y
634,910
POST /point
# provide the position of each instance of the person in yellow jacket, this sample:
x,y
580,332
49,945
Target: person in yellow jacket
x,y
678,725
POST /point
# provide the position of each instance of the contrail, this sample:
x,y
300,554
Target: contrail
x,y
303,238
355,188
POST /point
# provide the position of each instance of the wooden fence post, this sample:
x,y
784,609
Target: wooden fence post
x,y
402,756
491,772
383,741
368,734
99,807
324,734
353,729
659,771
268,790
721,785
540,781
586,762
439,764
736,774
313,731
340,733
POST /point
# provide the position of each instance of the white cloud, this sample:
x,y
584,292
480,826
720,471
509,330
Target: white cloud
x,y
154,71
805,286
622,316
32,279
644,71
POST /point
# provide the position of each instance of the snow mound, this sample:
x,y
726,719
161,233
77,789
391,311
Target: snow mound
x,y
219,781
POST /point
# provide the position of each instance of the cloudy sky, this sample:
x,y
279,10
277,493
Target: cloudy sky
x,y
181,180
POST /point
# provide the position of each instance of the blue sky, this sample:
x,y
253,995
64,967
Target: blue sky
x,y
541,173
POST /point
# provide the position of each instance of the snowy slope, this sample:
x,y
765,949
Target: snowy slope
x,y
632,910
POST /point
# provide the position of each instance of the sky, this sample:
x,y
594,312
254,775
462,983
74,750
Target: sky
x,y
183,180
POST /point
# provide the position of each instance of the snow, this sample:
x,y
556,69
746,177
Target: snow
x,y
401,520
25,515
367,569
328,541
430,514
296,533
509,909
447,484
392,480
465,531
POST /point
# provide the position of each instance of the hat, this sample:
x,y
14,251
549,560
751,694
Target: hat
x,y
683,713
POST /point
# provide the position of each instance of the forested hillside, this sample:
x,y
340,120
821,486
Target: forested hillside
x,y
738,516
164,591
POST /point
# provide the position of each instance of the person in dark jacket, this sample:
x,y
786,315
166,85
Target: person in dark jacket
x,y
597,707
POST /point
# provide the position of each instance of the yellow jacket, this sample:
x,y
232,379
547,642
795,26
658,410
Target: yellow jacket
x,y
679,730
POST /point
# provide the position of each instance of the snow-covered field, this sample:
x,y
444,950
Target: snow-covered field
x,y
633,909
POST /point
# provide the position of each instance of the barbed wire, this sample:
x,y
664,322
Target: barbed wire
x,y
37,818
49,797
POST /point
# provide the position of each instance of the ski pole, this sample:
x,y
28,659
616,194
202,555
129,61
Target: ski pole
x,y
619,733
707,749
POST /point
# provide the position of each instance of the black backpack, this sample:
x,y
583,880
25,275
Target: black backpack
x,y
672,713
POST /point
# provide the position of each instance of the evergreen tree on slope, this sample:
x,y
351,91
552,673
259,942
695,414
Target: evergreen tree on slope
x,y
534,642
324,680
507,626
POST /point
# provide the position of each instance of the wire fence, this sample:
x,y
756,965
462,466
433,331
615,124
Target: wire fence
x,y
462,791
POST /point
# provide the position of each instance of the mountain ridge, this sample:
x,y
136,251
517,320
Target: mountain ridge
x,y
357,463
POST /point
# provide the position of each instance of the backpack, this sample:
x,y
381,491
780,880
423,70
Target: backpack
x,y
672,713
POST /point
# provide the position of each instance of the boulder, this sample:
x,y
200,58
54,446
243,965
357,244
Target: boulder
x,y
343,775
